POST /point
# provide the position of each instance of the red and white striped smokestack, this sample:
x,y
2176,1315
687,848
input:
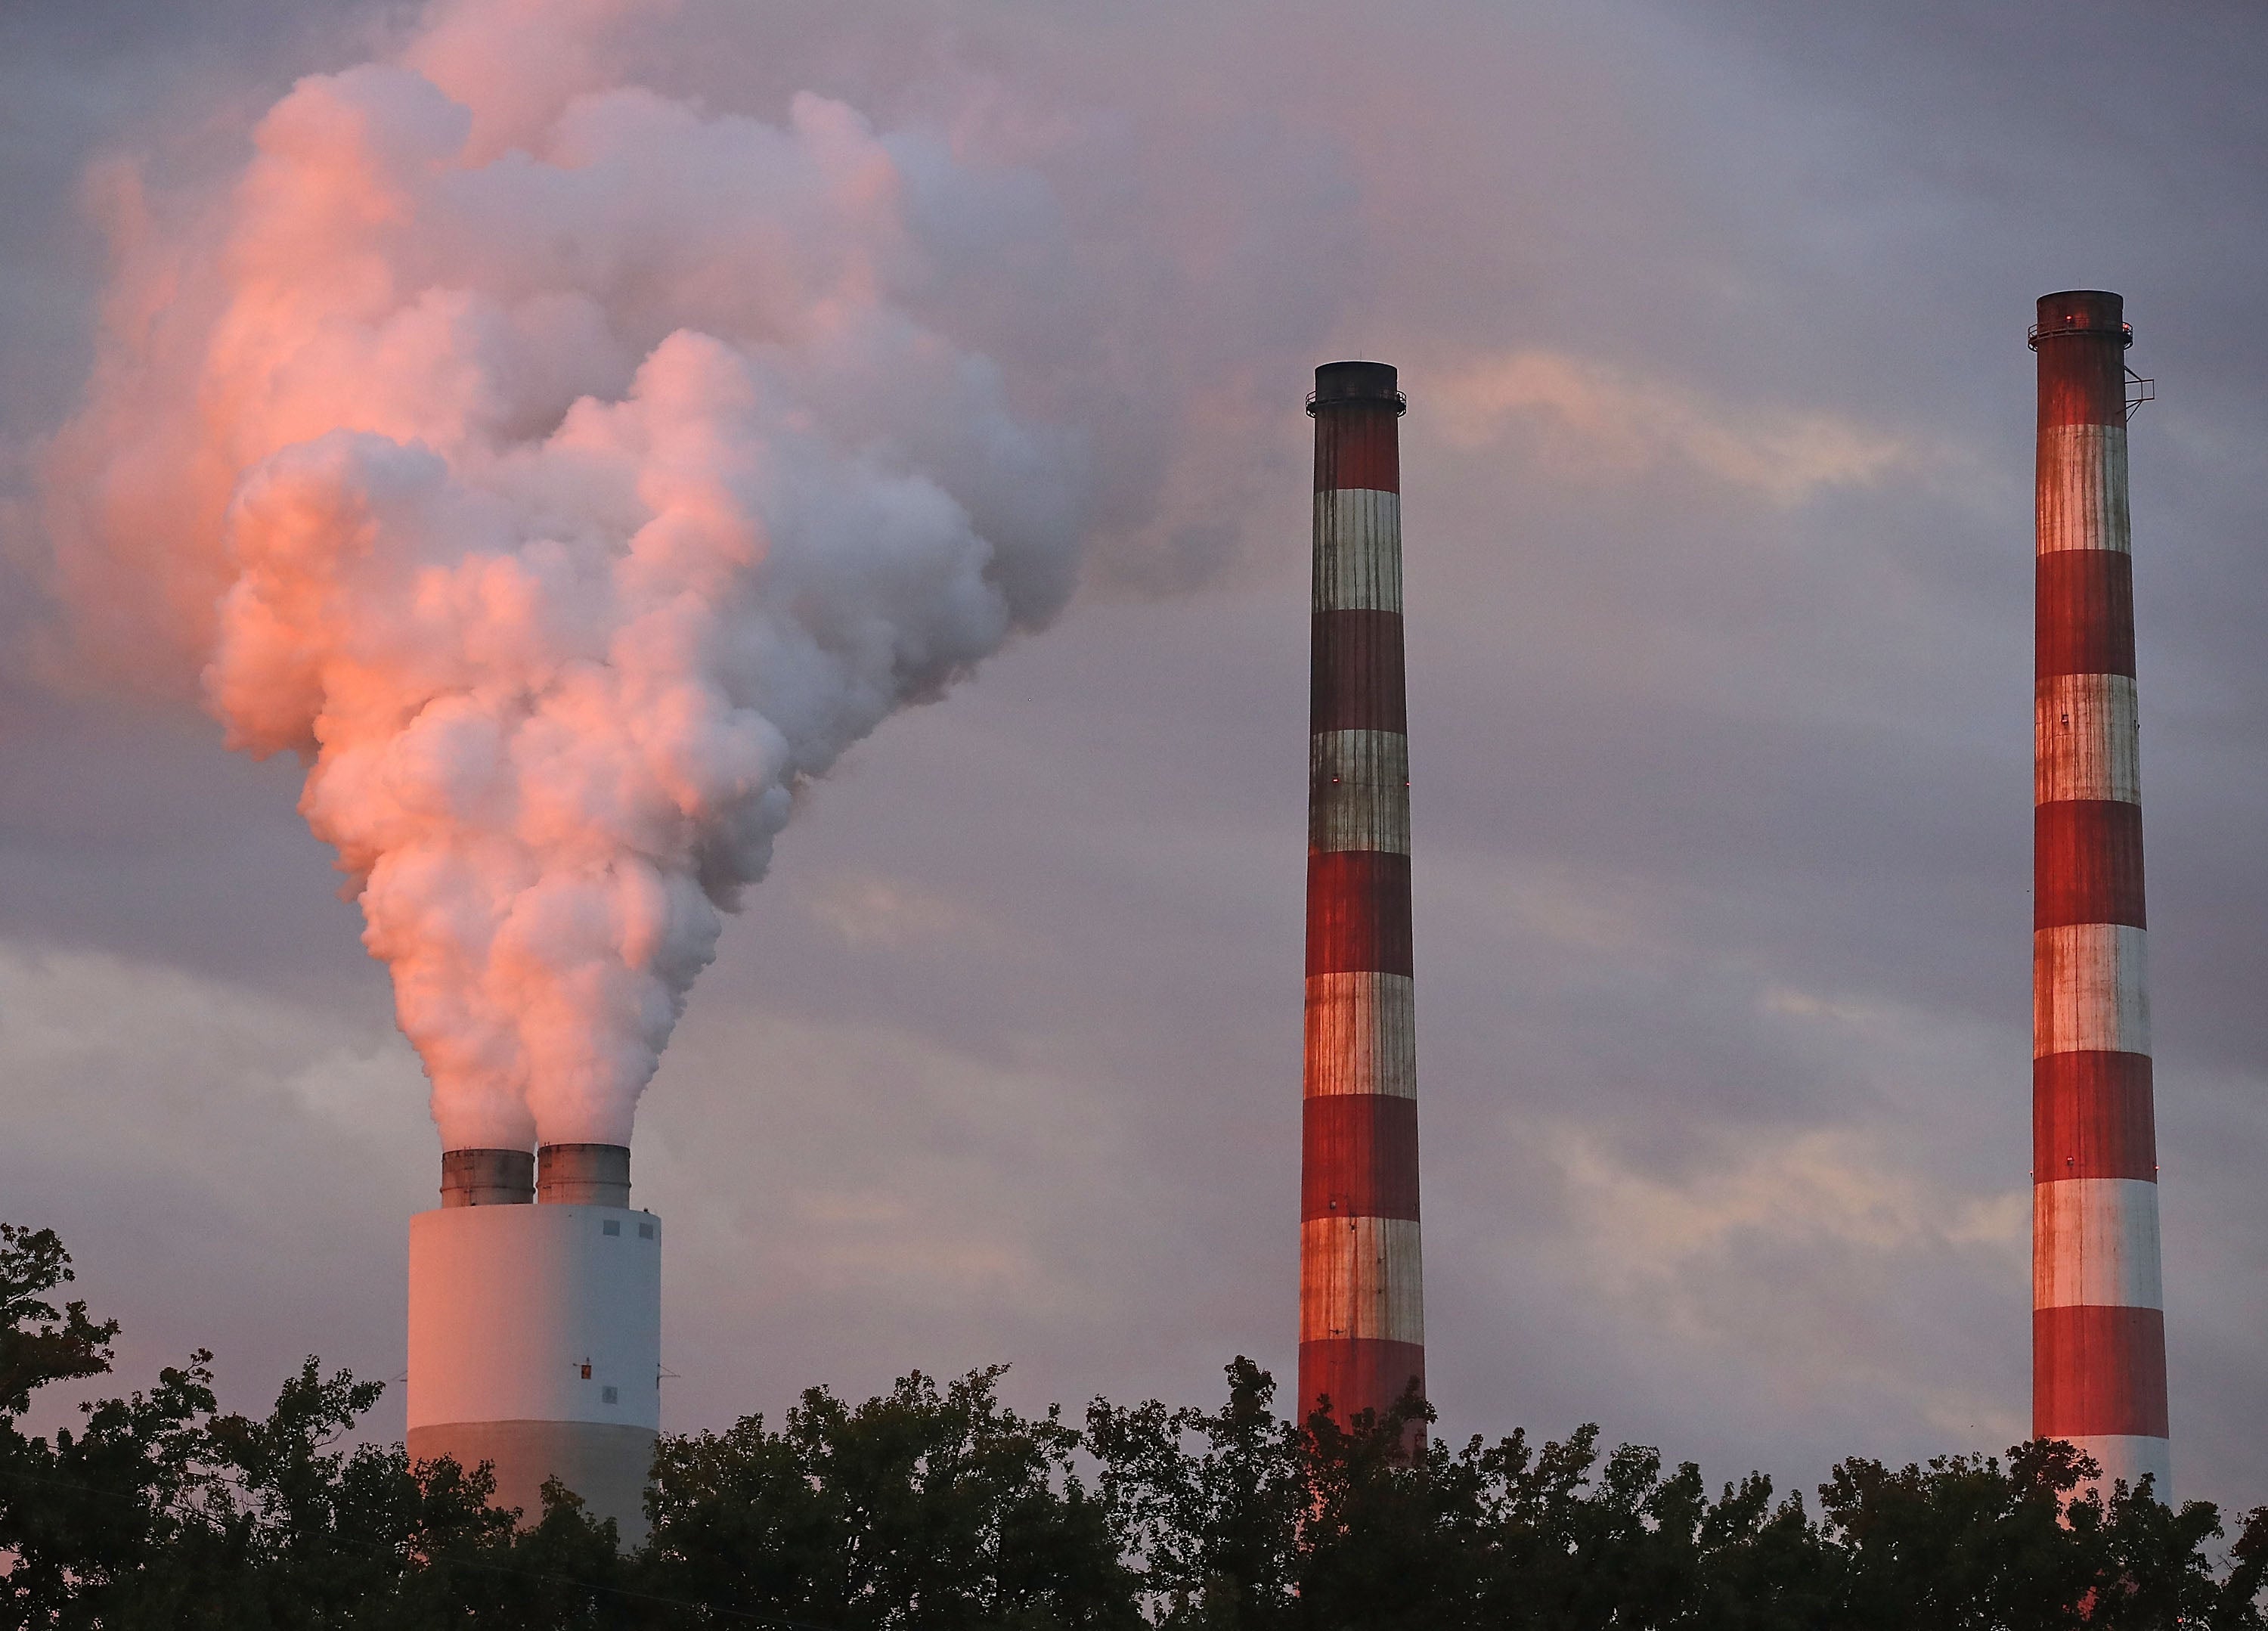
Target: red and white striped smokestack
x,y
1362,1325
2098,1324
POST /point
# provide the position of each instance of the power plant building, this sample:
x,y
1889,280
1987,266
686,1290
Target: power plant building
x,y
536,1327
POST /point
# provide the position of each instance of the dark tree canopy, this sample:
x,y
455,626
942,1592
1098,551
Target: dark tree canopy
x,y
937,1507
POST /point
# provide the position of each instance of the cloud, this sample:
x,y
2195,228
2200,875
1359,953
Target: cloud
x,y
1719,693
866,910
1597,422
180,1130
1837,1189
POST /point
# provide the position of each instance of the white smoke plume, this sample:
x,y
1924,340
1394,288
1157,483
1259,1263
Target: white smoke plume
x,y
566,474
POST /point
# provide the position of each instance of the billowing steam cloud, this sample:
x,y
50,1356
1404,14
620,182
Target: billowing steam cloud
x,y
565,474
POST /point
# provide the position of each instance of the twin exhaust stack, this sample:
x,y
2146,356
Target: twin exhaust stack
x,y
582,1175
535,1327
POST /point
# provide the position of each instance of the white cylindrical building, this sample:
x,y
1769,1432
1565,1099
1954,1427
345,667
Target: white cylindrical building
x,y
535,1344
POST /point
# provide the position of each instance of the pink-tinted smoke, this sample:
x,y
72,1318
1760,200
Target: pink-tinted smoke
x,y
565,474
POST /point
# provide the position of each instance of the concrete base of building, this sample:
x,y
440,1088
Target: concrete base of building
x,y
604,1462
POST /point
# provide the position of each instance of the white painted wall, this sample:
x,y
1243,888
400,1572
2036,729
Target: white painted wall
x,y
2124,1455
507,1304
1361,1277
2094,1243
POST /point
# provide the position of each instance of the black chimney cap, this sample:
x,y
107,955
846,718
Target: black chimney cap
x,y
1355,382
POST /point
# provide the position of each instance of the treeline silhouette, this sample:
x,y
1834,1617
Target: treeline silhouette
x,y
937,1507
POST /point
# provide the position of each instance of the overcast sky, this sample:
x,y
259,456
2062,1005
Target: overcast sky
x,y
1717,500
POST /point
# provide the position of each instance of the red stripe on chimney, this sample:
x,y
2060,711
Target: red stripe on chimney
x,y
1358,1374
1358,914
2098,1370
2083,619
1358,1156
1356,673
2092,1116
1357,444
2086,863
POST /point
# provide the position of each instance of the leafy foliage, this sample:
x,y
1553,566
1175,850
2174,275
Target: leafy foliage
x,y
933,1508
937,1507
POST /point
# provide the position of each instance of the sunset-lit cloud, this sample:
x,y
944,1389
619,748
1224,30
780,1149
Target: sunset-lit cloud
x,y
1599,424
1834,1189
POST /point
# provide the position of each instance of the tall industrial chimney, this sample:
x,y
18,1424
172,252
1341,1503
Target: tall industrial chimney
x,y
1362,1321
535,1330
2098,1324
